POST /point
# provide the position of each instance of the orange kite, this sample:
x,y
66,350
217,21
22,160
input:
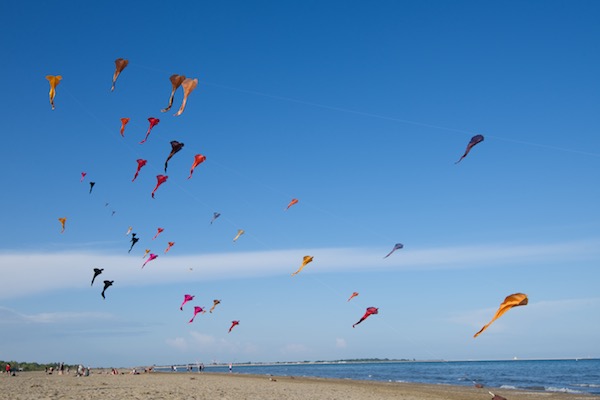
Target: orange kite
x,y
54,81
188,85
124,121
305,261
120,65
62,223
514,300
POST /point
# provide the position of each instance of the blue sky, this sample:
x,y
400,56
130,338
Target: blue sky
x,y
359,110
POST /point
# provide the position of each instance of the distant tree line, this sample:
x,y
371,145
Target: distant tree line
x,y
33,366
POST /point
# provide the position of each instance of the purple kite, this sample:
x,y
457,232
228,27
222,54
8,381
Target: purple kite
x,y
92,186
370,311
150,258
153,122
141,163
160,179
397,246
197,310
215,216
175,147
474,140
186,298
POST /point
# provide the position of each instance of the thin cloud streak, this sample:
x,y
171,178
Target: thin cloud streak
x,y
29,273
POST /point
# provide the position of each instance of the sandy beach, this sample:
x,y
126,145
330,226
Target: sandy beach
x,y
190,386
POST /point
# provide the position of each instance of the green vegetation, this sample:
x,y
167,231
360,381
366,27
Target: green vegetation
x,y
33,366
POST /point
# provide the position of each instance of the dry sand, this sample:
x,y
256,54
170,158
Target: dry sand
x,y
211,386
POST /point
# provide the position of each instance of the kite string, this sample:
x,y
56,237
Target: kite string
x,y
383,117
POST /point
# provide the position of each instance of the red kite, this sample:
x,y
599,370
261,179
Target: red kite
x,y
188,86
54,81
150,258
83,174
370,311
175,147
97,271
294,201
169,247
240,232
353,295
153,123
305,261
233,323
140,163
514,300
197,310
62,223
120,65
186,298
158,231
160,179
107,284
474,140
397,246
215,303
124,121
176,81
198,159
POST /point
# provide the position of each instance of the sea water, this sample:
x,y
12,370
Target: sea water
x,y
571,376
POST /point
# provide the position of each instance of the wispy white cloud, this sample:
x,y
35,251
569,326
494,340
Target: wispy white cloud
x,y
27,273
340,343
197,341
8,316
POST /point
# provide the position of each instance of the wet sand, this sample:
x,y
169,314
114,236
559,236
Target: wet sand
x,y
210,386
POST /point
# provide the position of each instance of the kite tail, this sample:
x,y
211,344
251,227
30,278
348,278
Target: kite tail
x,y
181,108
170,102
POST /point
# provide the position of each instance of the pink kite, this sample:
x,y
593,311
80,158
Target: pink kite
x,y
370,311
353,295
150,258
83,174
233,323
197,310
198,159
160,180
186,298
141,163
294,201
153,122
169,247
124,121
158,231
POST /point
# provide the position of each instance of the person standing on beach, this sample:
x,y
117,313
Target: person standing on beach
x,y
8,369
230,367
